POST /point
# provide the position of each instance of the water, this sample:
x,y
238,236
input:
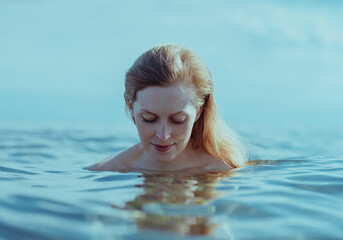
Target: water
x,y
295,192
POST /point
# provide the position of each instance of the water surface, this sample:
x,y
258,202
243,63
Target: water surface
x,y
294,189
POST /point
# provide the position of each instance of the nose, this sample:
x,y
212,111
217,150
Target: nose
x,y
163,131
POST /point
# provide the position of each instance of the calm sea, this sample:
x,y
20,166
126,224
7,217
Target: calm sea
x,y
293,189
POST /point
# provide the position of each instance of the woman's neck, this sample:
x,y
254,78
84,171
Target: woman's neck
x,y
189,158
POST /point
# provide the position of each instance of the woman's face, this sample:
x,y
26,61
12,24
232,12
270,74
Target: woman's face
x,y
164,118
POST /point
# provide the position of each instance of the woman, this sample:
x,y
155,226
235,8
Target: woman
x,y
169,96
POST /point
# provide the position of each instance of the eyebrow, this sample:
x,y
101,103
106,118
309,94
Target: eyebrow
x,y
144,110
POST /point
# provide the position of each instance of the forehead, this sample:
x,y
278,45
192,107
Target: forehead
x,y
169,99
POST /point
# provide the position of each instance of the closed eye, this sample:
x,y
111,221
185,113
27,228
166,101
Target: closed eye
x,y
149,120
179,122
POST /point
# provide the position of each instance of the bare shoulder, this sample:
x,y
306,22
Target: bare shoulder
x,y
120,162
213,163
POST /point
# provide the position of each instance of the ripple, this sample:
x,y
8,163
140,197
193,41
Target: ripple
x,y
316,178
102,189
55,172
11,178
88,176
12,232
28,146
13,170
24,203
31,154
114,178
236,208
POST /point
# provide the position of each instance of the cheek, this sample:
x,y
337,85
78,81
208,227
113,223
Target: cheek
x,y
182,131
144,130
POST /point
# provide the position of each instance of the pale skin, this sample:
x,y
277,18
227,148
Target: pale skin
x,y
164,118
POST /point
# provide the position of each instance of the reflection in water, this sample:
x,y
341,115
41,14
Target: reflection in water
x,y
178,203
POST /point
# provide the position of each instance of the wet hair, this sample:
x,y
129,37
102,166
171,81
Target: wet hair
x,y
169,64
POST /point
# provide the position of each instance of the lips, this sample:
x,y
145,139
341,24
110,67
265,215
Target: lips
x,y
162,148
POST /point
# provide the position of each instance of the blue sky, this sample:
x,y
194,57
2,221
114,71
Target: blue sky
x,y
273,62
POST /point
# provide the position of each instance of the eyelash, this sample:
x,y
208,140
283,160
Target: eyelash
x,y
148,121
176,122
182,122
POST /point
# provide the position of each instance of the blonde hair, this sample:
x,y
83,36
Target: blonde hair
x,y
168,64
